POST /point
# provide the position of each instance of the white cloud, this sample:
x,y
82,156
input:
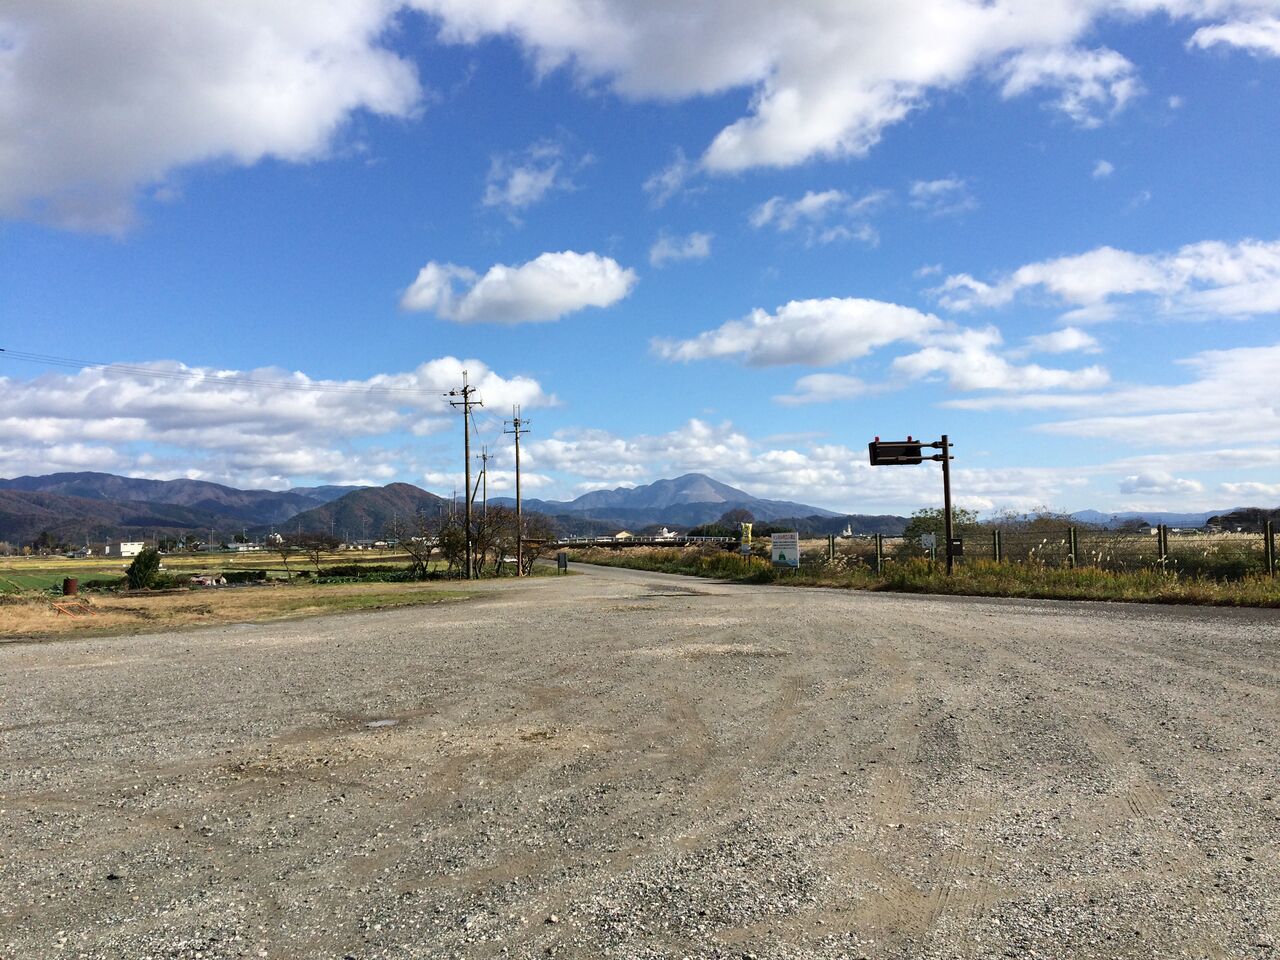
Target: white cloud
x,y
826,215
824,388
1160,483
518,181
1066,340
696,246
545,288
815,332
969,361
670,180
828,78
261,426
1259,35
827,332
1252,489
1231,400
98,99
1093,84
1204,279
1103,169
941,198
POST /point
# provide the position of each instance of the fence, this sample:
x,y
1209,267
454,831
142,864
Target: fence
x,y
1194,553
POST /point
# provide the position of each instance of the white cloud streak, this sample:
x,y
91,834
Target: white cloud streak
x,y
1259,35
666,249
946,197
546,288
1200,280
279,426
518,181
825,216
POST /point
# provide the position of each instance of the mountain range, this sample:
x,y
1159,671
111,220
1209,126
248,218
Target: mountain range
x,y
79,507
75,507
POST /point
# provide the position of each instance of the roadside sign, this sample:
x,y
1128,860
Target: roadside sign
x,y
928,540
562,561
957,547
745,549
786,549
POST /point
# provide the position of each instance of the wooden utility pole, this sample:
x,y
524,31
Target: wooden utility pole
x,y
516,426
466,402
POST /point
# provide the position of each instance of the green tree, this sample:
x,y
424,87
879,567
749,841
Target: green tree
x,y
144,569
931,520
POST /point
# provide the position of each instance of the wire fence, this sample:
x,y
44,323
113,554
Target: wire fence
x,y
1193,553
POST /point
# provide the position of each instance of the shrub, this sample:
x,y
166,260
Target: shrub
x,y
143,570
245,576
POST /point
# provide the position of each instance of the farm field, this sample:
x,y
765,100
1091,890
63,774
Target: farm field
x,y
40,573
629,764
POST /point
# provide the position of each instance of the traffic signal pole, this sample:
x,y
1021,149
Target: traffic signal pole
x,y
946,499
903,452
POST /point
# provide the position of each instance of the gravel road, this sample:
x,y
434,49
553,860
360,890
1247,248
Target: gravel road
x,y
635,765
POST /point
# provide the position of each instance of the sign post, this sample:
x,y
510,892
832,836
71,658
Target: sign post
x,y
785,549
892,453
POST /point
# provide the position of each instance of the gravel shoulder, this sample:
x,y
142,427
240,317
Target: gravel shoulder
x,y
631,764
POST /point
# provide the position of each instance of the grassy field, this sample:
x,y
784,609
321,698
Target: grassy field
x,y
18,574
973,578
30,615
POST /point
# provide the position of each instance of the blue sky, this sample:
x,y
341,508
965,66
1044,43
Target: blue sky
x,y
736,238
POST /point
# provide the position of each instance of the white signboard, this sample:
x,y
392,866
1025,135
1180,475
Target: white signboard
x,y
786,549
928,540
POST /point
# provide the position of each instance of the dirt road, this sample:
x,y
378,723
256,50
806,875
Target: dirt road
x,y
635,765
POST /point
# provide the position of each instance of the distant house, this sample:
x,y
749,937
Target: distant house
x,y
243,547
623,535
129,548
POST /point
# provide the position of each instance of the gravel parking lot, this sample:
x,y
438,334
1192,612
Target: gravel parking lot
x,y
625,764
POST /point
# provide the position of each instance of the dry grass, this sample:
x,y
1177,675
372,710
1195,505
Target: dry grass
x,y
972,578
34,615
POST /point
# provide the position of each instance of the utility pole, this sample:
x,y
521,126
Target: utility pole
x,y
466,402
484,481
516,426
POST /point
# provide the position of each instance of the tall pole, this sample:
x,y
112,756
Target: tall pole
x,y
484,482
518,426
946,497
466,403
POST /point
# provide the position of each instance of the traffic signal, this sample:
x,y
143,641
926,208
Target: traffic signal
x,y
886,453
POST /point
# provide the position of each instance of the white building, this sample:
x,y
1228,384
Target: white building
x,y
129,549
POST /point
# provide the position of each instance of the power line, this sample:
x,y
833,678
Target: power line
x,y
191,376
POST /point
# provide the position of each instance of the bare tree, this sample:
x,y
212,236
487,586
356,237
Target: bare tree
x,y
314,546
539,538
419,538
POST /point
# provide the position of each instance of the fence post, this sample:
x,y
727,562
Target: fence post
x,y
1073,546
879,553
831,546
995,545
1269,548
1162,543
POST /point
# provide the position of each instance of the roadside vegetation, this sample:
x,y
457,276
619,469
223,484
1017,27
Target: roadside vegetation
x,y
972,577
